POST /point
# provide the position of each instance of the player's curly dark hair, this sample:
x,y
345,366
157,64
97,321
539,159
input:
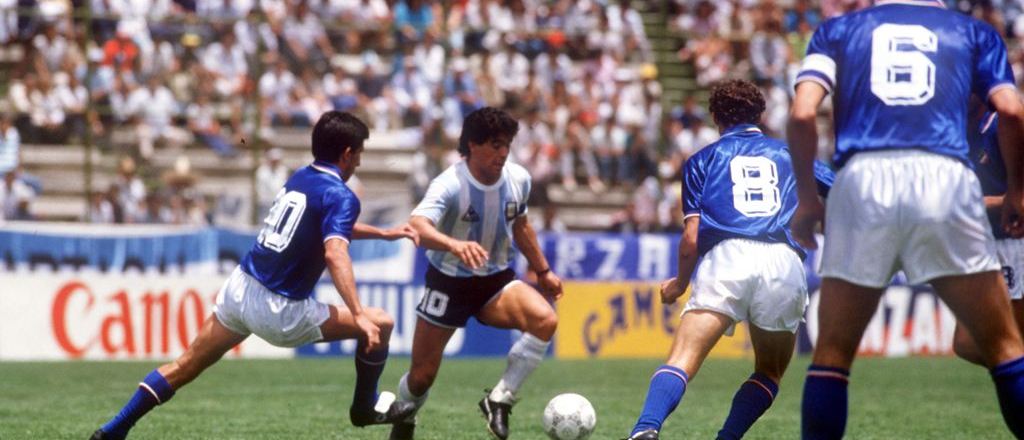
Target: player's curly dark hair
x,y
484,124
336,132
735,102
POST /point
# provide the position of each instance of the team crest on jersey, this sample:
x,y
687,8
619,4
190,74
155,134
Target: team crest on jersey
x,y
471,216
511,209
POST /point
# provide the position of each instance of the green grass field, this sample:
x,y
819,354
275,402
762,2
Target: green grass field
x,y
921,398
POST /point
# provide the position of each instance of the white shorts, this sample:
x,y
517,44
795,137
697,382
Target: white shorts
x,y
245,306
908,210
752,280
1011,257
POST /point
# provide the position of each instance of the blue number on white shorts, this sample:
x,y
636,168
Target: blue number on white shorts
x,y
436,303
754,191
283,220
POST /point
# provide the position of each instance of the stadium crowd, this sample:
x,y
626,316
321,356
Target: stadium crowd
x,y
579,75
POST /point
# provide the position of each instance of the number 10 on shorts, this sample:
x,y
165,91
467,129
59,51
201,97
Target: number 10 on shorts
x,y
435,303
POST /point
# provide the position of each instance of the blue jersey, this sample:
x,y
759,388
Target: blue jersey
x,y
742,186
901,74
314,206
989,166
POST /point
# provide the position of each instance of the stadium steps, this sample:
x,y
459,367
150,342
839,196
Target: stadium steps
x,y
584,210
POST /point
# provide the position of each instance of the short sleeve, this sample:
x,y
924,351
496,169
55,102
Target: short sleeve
x,y
439,198
693,185
820,63
526,187
341,209
992,69
824,176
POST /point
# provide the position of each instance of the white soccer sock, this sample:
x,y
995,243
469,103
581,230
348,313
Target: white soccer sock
x,y
523,358
404,395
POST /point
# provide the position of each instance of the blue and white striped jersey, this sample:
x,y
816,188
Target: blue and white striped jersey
x,y
465,209
742,186
314,206
901,74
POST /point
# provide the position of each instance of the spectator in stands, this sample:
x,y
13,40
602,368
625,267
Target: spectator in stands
x,y
340,89
578,146
534,148
270,178
48,114
802,11
51,47
74,99
201,119
626,21
153,108
274,87
306,42
412,93
429,56
8,21
16,196
10,145
688,141
120,52
461,87
511,71
100,209
609,145
226,63
769,53
374,98
130,192
412,19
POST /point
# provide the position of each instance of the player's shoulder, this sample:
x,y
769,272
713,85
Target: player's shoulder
x,y
516,173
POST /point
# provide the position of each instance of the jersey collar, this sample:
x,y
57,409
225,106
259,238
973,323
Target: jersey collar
x,y
326,168
935,3
742,128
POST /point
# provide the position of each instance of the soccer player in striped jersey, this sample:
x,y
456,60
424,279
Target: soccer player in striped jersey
x,y
468,220
905,197
988,164
739,194
270,293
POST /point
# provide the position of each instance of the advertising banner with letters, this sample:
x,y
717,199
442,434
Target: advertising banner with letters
x,y
70,291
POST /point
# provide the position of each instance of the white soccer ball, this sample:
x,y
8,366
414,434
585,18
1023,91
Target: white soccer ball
x,y
569,417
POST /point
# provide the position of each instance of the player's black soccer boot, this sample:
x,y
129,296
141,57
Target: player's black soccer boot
x,y
496,414
396,412
403,430
647,434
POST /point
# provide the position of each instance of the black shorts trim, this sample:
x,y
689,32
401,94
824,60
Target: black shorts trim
x,y
450,301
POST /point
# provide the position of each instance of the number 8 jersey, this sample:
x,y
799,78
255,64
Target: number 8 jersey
x,y
742,186
314,206
907,70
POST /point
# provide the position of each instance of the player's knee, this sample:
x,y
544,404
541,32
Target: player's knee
x,y
421,379
546,324
381,318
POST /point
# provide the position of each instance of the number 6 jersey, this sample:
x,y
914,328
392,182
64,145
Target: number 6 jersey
x,y
742,186
314,206
906,70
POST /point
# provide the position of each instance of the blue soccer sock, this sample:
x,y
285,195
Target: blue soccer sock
x,y
369,367
1009,378
153,390
667,387
753,399
825,403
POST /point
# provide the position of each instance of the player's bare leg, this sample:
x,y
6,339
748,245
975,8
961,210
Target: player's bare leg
x,y
519,307
772,353
367,406
428,344
985,312
698,332
213,340
843,313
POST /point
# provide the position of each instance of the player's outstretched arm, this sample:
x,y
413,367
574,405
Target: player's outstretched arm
x,y
1011,133
802,132
526,240
363,231
469,252
673,288
339,264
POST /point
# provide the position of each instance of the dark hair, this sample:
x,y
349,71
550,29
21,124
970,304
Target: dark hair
x,y
484,124
735,102
336,132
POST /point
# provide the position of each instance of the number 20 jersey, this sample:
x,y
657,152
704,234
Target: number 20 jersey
x,y
314,206
742,186
901,74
